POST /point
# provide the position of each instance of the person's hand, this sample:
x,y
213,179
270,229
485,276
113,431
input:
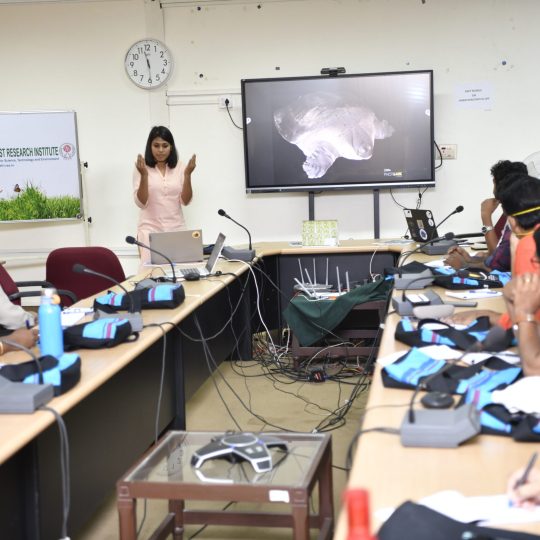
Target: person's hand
x,y
140,164
523,295
487,207
468,316
192,163
23,336
457,257
527,495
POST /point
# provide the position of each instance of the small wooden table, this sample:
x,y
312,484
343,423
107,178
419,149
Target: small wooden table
x,y
166,472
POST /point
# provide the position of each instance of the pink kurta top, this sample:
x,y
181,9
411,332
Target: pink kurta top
x,y
163,210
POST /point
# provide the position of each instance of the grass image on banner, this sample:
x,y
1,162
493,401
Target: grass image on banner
x,y
31,203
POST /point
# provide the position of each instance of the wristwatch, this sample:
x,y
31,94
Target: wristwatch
x,y
527,318
486,228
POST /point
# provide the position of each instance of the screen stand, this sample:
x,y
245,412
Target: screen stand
x,y
311,204
376,217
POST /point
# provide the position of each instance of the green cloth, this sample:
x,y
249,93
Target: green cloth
x,y
311,320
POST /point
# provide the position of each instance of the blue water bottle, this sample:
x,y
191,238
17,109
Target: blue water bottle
x,y
51,337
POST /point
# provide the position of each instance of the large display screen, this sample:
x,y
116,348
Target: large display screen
x,y
372,130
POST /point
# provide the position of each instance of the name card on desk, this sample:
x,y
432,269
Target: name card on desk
x,y
320,233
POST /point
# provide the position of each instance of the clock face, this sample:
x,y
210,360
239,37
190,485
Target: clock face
x,y
148,63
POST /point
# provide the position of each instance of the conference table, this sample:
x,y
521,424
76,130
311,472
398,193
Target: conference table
x,y
393,474
110,414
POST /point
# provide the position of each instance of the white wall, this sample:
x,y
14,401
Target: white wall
x,y
69,55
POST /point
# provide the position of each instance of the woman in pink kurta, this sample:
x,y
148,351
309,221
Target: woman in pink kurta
x,y
161,186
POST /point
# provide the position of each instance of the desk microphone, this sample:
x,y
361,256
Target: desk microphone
x,y
436,428
447,236
134,317
456,211
19,397
432,306
241,254
132,240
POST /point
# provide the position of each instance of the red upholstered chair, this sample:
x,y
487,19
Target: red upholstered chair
x,y
12,288
59,270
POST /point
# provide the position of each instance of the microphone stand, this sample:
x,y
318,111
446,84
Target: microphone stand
x,y
19,397
437,428
458,210
447,236
132,240
229,252
134,317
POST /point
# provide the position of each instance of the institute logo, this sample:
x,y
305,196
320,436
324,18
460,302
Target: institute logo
x,y
67,150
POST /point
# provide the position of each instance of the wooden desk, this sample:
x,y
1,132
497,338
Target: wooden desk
x,y
110,414
394,474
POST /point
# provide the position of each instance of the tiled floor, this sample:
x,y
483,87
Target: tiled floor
x,y
297,406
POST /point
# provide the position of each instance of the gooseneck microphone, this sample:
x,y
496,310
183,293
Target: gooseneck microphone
x,y
440,427
232,253
222,212
133,241
19,397
456,211
447,236
134,317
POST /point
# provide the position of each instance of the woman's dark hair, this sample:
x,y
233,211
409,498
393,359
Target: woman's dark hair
x,y
521,192
166,135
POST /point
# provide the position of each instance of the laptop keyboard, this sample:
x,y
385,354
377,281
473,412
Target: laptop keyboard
x,y
184,271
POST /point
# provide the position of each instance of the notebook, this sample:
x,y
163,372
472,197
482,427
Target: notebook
x,y
203,269
179,246
421,224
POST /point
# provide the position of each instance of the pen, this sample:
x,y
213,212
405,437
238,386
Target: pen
x,y
527,471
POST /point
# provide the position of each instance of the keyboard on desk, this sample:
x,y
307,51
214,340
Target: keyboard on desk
x,y
194,270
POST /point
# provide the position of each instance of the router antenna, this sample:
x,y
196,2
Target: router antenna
x,y
326,271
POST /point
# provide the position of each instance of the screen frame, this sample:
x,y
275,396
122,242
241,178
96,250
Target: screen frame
x,y
316,187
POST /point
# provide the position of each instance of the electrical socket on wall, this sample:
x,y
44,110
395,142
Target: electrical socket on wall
x,y
225,101
448,151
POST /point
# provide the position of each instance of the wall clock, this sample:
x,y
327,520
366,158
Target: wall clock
x,y
148,63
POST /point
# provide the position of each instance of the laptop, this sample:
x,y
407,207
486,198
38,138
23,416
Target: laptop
x,y
421,224
203,269
179,246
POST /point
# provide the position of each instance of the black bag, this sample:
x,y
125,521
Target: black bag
x,y
163,296
420,336
412,521
63,373
98,334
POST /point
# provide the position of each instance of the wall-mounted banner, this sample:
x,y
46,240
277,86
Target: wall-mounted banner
x,y
39,166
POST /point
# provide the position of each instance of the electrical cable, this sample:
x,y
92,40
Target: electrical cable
x,y
230,116
64,468
350,449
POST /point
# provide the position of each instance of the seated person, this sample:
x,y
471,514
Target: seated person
x,y
522,296
14,321
527,495
27,337
498,236
520,199
13,316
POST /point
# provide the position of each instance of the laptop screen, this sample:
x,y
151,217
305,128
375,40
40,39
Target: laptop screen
x,y
216,252
421,224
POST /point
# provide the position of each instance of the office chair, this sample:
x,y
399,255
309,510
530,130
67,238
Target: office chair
x,y
12,288
59,270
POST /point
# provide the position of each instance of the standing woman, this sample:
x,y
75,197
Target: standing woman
x,y
161,186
